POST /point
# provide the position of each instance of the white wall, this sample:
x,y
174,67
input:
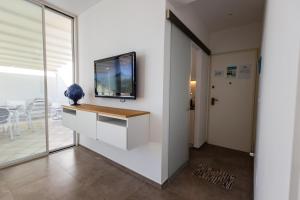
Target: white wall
x,y
277,101
238,38
166,100
114,27
21,88
295,174
17,87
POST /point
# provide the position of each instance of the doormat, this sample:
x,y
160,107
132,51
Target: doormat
x,y
215,176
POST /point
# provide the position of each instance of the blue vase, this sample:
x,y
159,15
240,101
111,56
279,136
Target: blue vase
x,y
75,93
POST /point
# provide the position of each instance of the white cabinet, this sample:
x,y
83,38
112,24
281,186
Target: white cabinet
x,y
138,130
123,129
125,134
86,123
112,133
69,119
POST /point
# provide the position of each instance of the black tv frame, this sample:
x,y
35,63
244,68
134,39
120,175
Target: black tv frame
x,y
134,96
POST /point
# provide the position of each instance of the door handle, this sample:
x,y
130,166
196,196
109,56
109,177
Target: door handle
x,y
213,101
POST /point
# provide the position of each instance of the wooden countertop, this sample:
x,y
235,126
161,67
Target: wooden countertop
x,y
109,111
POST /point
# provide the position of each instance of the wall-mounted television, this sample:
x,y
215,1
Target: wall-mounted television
x,y
115,77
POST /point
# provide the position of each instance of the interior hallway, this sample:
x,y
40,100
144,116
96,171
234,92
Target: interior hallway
x,y
78,173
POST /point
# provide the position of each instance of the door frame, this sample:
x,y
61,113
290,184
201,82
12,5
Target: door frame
x,y
74,75
204,63
44,5
255,96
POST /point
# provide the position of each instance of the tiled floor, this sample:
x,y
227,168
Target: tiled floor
x,y
32,141
81,174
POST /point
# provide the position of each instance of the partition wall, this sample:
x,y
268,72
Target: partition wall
x,y
36,67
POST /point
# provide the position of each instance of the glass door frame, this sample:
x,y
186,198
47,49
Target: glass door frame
x,y
45,6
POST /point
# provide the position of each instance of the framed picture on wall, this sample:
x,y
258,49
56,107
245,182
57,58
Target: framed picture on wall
x,y
231,71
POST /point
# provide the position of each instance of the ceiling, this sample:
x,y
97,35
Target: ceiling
x,y
75,7
222,14
215,14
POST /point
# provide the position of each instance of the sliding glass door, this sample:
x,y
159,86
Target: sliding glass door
x,y
60,75
36,67
22,81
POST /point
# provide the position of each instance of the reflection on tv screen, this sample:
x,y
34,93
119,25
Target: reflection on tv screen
x,y
114,77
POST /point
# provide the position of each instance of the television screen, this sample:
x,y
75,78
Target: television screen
x,y
115,77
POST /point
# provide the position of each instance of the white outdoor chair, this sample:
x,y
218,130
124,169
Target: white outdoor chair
x,y
35,109
18,110
56,111
5,121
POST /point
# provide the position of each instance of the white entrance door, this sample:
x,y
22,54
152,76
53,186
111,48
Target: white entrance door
x,y
232,92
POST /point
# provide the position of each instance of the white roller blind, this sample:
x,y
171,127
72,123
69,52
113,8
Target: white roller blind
x,y
58,40
21,39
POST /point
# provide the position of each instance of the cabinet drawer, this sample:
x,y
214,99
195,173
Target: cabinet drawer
x,y
112,134
69,119
86,123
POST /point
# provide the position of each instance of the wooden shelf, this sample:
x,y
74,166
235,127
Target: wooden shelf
x,y
109,111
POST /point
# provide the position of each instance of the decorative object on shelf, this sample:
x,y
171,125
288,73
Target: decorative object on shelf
x,y
74,93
